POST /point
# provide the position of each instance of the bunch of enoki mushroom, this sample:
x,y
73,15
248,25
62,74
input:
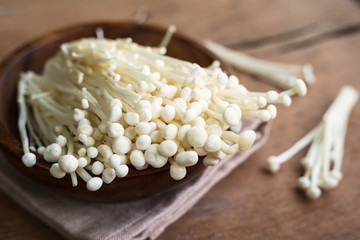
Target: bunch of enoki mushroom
x,y
102,105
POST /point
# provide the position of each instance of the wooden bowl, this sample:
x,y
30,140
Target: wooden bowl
x,y
34,54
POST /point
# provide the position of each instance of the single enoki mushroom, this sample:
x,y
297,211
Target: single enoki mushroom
x,y
323,160
279,74
103,105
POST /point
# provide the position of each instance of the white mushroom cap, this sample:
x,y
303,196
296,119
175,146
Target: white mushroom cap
x,y
84,121
142,128
272,95
200,151
122,171
130,133
336,174
187,159
121,145
180,104
29,159
56,171
61,140
285,100
142,105
170,131
115,130
303,182
116,160
143,167
213,143
92,152
189,115
89,142
131,118
84,103
214,129
97,168
197,136
233,82
272,110
219,155
177,172
143,86
81,152
220,106
153,126
261,101
143,142
41,150
183,130
94,184
146,115
300,87
108,175
246,139
156,110
168,148
52,152
68,163
186,94
82,162
313,192
197,107
328,182
137,158
196,93
156,136
204,105
231,116
168,113
153,156
199,121
222,79
209,161
105,151
273,164
78,114
85,129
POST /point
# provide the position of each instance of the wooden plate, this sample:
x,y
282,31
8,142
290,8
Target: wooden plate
x,y
34,54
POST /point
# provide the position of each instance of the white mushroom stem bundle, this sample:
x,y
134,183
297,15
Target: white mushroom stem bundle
x,y
323,160
279,74
103,105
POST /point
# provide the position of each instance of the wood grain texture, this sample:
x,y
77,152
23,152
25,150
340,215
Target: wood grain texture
x,y
248,204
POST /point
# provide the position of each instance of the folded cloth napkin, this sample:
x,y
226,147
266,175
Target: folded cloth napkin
x,y
139,219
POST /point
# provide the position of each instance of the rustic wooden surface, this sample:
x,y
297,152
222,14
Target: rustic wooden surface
x,y
248,204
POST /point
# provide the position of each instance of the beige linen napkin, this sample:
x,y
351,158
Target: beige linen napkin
x,y
141,219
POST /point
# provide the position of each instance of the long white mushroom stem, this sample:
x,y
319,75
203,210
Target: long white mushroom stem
x,y
279,74
324,159
29,159
274,162
103,105
168,35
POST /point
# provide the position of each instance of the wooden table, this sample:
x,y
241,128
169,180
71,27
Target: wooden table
x,y
248,204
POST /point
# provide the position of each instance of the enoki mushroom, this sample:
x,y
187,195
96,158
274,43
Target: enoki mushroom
x,y
103,105
280,74
323,161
